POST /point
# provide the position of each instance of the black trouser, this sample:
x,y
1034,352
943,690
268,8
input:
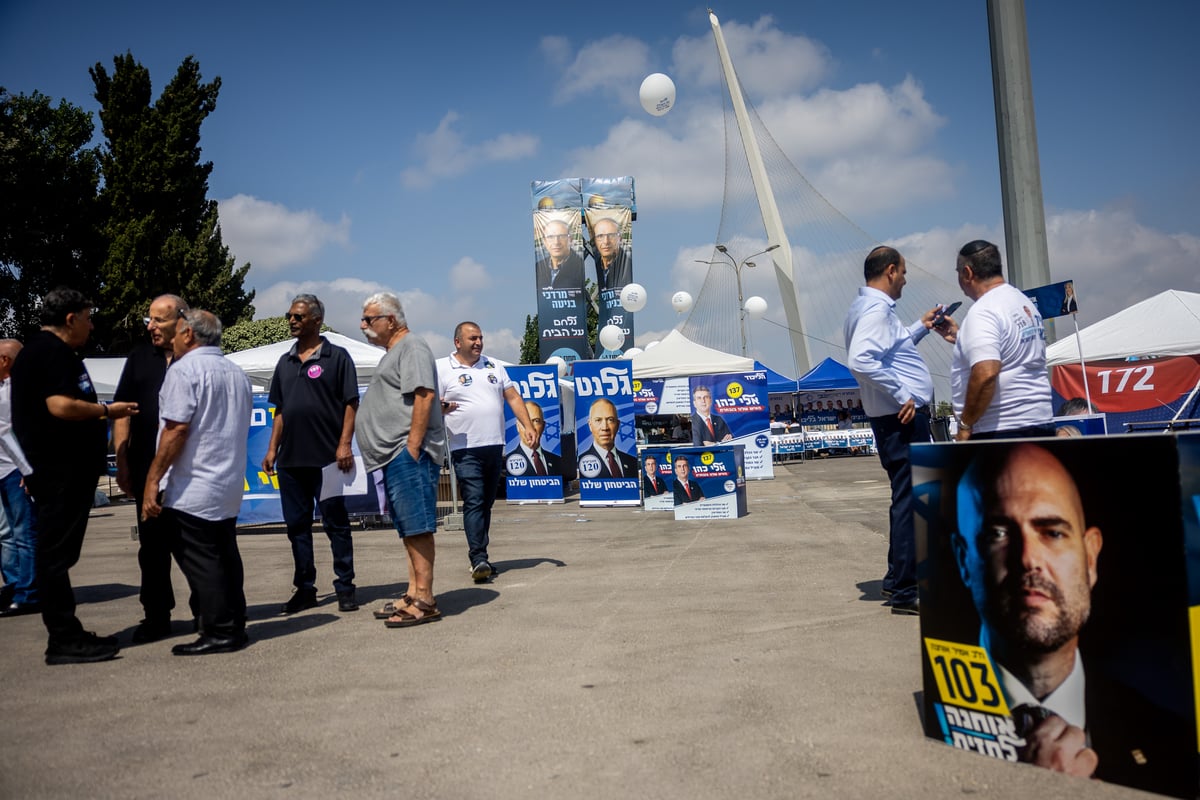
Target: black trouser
x,y
63,502
156,545
208,555
1028,432
892,440
299,487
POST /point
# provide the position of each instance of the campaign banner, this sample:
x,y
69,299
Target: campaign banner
x,y
1147,390
558,270
830,407
611,248
534,475
260,499
1054,299
605,439
709,482
658,481
732,409
1055,604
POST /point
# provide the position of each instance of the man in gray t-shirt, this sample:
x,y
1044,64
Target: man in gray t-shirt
x,y
400,432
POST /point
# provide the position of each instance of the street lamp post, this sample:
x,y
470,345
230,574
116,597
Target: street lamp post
x,y
737,271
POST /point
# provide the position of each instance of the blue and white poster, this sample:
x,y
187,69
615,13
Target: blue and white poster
x,y
732,409
1054,299
534,475
658,483
709,482
605,440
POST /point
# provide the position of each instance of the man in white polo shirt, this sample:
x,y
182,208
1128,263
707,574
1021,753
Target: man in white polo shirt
x,y
474,389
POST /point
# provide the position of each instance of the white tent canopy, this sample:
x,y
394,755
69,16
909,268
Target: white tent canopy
x,y
1167,324
259,362
677,356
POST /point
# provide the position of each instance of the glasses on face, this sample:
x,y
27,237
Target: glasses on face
x,y
371,320
295,317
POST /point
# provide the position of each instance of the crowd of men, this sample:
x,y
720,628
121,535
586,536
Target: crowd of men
x,y
180,417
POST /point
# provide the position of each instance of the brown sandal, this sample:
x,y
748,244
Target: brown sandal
x,y
403,619
390,608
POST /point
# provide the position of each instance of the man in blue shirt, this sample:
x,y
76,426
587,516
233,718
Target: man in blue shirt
x,y
896,389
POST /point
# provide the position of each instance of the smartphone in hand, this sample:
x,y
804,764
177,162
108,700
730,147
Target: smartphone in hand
x,y
940,316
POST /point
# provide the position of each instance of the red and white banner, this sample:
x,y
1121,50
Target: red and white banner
x,y
1122,387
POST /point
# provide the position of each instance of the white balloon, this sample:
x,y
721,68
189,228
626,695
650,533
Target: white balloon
x,y
756,306
612,337
681,302
633,297
652,344
633,351
657,94
559,363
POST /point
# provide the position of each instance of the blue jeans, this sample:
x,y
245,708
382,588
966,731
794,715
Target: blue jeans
x,y
892,440
19,563
411,488
299,487
478,471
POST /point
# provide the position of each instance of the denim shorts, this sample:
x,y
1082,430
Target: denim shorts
x,y
411,488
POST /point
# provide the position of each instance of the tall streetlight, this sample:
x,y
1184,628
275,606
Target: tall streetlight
x,y
737,270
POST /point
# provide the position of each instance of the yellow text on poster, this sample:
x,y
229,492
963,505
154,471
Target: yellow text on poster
x,y
965,677
1194,620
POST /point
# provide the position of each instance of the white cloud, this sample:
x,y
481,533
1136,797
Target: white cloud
x,y
614,66
468,275
556,49
270,236
444,153
767,60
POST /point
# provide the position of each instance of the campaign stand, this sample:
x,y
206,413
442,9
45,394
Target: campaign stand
x,y
716,481
529,479
662,496
737,414
1061,558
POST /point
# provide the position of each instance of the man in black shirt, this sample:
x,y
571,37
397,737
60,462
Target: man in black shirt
x,y
315,389
61,427
134,440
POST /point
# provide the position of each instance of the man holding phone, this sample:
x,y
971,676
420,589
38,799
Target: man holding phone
x,y
896,389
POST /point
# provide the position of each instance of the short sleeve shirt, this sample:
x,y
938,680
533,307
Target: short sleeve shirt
x,y
140,381
479,392
212,395
45,367
312,397
384,418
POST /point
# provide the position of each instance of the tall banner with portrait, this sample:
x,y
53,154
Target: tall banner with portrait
x,y
1055,605
534,474
558,271
609,212
732,409
605,442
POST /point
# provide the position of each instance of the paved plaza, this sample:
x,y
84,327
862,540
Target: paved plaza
x,y
619,654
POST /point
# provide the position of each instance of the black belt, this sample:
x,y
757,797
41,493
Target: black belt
x,y
922,410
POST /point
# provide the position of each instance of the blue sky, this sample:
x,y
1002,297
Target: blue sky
x,y
390,145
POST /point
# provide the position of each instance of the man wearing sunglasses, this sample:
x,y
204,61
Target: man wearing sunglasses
x,y
315,394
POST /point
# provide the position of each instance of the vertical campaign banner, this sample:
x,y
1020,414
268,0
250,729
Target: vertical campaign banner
x,y
647,396
534,474
605,441
710,482
609,211
558,271
1055,605
260,498
732,409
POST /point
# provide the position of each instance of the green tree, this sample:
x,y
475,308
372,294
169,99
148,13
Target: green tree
x,y
256,333
160,229
48,182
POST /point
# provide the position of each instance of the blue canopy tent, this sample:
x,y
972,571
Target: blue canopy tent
x,y
777,383
829,374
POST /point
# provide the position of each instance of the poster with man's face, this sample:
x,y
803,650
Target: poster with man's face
x,y
1054,606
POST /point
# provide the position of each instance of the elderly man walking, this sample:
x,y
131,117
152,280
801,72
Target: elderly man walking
x,y
400,432
205,407
315,394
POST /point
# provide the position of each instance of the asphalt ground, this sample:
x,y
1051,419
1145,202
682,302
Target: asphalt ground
x,y
618,654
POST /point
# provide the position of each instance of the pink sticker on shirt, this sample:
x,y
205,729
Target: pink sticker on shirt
x,y
315,371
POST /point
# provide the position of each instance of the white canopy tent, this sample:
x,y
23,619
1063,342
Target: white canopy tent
x,y
1167,324
677,356
259,362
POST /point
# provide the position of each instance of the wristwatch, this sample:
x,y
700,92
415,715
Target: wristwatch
x,y
963,425
103,410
